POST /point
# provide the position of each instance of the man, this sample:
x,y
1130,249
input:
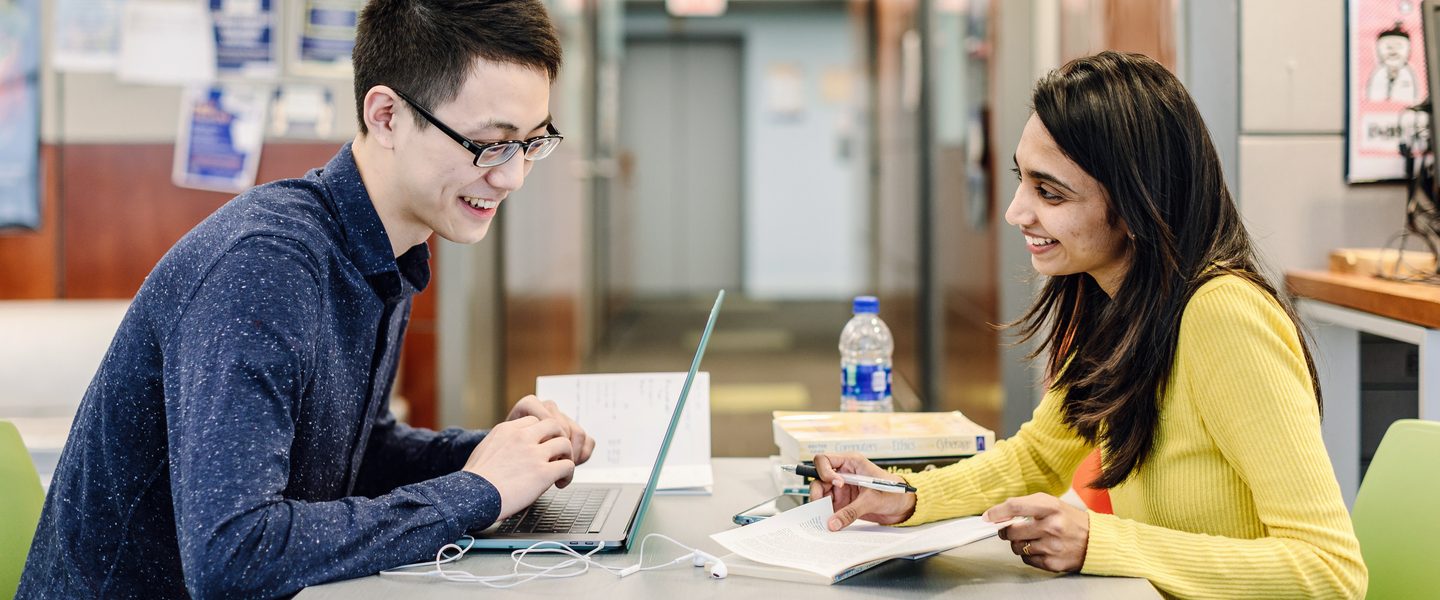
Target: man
x,y
237,439
1392,80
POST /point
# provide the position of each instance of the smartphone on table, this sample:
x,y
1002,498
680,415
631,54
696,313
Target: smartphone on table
x,y
768,508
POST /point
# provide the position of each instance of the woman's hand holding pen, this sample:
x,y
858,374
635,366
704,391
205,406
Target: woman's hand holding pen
x,y
854,502
1054,538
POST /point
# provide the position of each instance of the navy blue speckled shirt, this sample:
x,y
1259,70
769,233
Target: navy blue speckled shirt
x,y
237,440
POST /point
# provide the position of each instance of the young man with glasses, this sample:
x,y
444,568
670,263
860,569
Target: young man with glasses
x,y
237,439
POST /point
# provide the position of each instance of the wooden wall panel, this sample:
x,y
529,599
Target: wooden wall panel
x,y
540,339
109,212
121,212
29,259
1144,26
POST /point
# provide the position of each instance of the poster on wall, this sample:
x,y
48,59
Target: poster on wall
x,y
785,91
325,37
245,38
86,35
222,128
19,113
302,111
1386,83
165,43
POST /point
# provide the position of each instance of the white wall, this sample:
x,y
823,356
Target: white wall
x,y
1208,57
51,352
1292,189
98,108
805,228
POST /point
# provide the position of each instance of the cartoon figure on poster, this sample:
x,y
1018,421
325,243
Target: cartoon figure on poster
x,y
1393,80
1387,90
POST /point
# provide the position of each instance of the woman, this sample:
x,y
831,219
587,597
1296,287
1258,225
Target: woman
x,y
1166,349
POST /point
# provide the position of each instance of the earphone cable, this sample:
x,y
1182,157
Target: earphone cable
x,y
453,552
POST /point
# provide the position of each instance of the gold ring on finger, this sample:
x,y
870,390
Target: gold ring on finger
x,y
1025,549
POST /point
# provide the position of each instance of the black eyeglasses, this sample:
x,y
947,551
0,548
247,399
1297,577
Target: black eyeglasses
x,y
491,154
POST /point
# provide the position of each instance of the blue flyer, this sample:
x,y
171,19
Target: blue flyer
x,y
19,114
222,129
326,36
245,38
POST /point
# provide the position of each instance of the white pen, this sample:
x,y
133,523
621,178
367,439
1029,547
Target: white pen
x,y
883,485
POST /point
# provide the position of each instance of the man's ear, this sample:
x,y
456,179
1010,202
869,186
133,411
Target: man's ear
x,y
380,115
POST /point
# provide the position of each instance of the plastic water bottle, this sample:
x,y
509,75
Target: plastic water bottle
x,y
865,349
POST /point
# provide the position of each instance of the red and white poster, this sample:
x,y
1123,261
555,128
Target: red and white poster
x,y
1387,82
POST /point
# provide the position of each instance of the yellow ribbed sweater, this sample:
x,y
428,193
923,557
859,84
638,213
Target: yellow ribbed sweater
x,y
1237,498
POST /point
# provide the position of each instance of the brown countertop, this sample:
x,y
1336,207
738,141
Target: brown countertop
x,y
1416,303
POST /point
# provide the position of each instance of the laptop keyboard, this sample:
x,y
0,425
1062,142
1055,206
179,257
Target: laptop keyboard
x,y
560,511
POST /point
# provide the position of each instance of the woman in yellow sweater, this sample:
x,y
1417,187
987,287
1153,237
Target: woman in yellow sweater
x,y
1166,349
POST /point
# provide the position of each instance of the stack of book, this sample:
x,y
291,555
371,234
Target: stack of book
x,y
901,442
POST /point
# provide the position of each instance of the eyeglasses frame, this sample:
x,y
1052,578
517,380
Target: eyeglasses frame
x,y
477,148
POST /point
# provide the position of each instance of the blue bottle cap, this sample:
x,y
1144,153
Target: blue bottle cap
x,y
866,305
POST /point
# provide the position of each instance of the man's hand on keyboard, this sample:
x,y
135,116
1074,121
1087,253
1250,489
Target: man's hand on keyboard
x,y
523,458
546,409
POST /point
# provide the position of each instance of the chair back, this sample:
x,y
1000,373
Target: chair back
x,y
1088,471
1397,512
20,502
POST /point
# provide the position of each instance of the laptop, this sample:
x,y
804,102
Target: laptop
x,y
587,516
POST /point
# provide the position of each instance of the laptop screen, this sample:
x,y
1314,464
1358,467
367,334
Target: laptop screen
x,y
674,421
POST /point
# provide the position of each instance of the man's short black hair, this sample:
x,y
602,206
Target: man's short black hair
x,y
1396,31
427,48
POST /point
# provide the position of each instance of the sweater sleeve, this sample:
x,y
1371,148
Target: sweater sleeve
x,y
399,454
239,360
1240,358
1041,457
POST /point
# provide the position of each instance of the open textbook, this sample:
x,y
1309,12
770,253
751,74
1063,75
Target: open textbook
x,y
796,546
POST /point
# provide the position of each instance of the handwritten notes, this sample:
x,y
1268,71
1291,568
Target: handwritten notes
x,y
627,415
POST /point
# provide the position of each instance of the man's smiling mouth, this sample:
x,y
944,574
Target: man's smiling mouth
x,y
480,202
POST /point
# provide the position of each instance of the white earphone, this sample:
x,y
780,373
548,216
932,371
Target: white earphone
x,y
698,558
717,566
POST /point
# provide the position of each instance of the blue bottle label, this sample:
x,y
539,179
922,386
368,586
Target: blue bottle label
x,y
865,382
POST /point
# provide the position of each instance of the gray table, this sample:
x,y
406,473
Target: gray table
x,y
985,569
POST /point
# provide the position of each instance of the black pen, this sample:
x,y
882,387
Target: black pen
x,y
883,485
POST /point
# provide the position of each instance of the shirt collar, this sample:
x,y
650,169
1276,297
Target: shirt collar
x,y
365,240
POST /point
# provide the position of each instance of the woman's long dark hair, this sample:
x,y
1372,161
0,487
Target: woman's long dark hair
x,y
1130,124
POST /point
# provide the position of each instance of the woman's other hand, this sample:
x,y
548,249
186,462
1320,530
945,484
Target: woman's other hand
x,y
1055,536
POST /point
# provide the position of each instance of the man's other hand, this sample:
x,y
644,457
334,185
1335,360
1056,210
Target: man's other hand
x,y
545,409
522,458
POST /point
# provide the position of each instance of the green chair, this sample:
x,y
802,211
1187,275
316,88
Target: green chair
x,y
20,502
1396,516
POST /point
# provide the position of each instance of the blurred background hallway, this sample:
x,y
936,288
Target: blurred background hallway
x,y
795,152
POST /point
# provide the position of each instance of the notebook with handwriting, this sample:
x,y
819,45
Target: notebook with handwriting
x,y
625,414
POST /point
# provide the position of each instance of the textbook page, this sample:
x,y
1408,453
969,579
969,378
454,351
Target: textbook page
x,y
798,539
626,414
